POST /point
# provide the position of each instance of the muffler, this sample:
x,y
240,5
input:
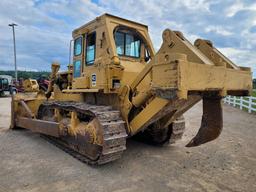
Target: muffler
x,y
211,123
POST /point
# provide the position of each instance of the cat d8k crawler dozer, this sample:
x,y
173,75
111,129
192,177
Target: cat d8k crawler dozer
x,y
119,87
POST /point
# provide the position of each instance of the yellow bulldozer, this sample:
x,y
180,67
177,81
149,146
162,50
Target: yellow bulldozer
x,y
119,87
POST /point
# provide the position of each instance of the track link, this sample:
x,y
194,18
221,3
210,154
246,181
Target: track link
x,y
178,129
114,133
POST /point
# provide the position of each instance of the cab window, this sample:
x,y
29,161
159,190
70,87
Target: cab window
x,y
77,68
90,49
119,38
78,46
127,44
5,81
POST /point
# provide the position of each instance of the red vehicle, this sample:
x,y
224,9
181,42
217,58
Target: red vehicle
x,y
43,83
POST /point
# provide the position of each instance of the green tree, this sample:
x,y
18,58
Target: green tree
x,y
27,74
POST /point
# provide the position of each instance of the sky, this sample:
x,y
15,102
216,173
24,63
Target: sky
x,y
45,26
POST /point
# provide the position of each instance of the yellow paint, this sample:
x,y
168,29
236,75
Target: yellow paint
x,y
154,107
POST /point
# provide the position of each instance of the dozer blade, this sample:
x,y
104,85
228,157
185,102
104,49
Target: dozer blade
x,y
211,124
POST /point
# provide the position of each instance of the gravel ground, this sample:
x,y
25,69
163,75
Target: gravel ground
x,y
29,163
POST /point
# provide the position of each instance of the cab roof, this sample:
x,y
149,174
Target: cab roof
x,y
110,17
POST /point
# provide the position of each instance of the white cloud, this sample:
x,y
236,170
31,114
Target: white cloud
x,y
239,6
235,8
218,30
249,42
240,57
202,5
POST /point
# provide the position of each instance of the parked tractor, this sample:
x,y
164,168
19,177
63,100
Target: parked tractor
x,y
6,86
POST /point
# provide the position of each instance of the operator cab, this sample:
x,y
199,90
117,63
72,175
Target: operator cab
x,y
109,51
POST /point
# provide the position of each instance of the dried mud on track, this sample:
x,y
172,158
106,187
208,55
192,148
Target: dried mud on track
x,y
29,163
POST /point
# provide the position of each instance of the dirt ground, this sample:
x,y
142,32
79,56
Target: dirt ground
x,y
29,163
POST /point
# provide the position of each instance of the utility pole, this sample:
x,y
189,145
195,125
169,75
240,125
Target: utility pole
x,y
14,50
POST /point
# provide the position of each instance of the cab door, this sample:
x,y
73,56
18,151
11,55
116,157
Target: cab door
x,y
84,71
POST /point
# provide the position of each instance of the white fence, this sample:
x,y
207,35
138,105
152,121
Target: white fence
x,y
248,103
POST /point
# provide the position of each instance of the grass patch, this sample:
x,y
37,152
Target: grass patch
x,y
254,93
